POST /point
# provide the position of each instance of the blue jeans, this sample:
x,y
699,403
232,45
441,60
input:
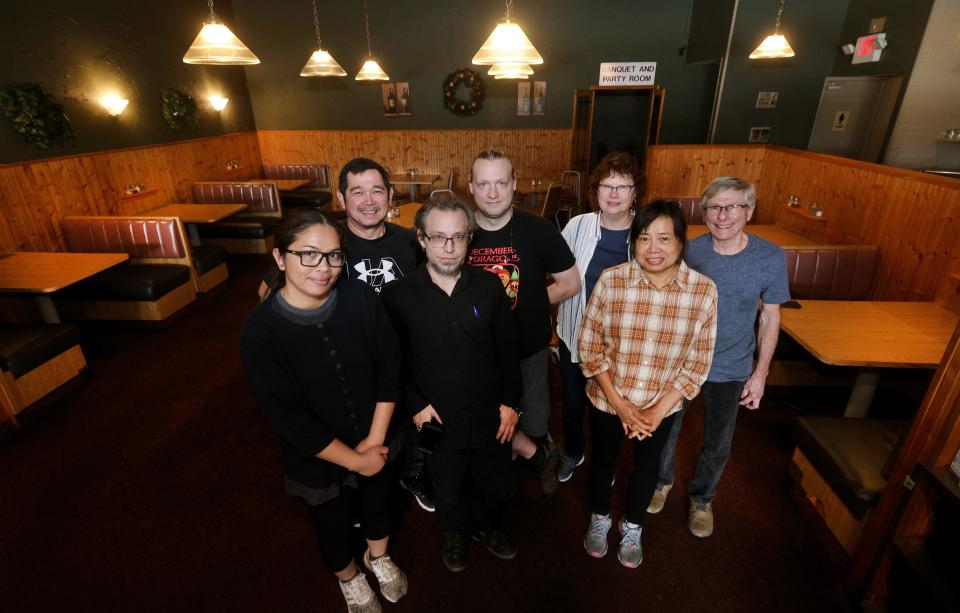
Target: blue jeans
x,y
720,408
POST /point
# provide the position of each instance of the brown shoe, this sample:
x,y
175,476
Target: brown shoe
x,y
701,519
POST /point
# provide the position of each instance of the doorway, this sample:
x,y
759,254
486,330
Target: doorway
x,y
855,116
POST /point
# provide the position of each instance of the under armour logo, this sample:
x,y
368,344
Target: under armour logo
x,y
377,277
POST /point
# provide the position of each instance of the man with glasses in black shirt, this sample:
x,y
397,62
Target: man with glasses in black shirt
x,y
462,373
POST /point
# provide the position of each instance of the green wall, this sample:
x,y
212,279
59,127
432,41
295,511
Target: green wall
x,y
422,42
80,50
813,30
906,22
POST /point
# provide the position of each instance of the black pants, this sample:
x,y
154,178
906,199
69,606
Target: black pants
x,y
368,504
469,485
412,458
606,434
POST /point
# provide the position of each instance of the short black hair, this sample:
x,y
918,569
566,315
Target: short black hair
x,y
358,166
296,222
655,209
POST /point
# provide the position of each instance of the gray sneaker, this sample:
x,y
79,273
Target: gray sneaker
x,y
631,552
659,498
360,598
567,464
595,542
393,583
701,519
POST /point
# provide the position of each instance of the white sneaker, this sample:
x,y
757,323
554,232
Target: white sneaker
x,y
360,598
701,519
393,583
659,498
595,542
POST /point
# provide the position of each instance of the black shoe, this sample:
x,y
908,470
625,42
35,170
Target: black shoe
x,y
496,543
549,483
421,490
454,550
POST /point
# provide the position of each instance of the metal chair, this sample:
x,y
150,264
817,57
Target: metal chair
x,y
441,191
570,199
551,203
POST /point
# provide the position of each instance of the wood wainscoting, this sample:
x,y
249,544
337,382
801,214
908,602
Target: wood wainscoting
x,y
35,196
914,218
535,153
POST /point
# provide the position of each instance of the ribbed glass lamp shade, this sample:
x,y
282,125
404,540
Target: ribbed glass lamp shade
x,y
371,71
510,71
216,44
507,44
322,64
773,46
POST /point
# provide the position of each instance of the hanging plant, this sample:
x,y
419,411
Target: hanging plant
x,y
36,116
180,110
457,105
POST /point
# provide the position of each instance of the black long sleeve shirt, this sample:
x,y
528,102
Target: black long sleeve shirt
x,y
460,351
317,383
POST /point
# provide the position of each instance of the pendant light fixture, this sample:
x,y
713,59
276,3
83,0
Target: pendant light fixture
x,y
371,70
510,71
775,45
217,45
321,63
507,44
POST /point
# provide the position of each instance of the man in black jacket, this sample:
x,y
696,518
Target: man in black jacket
x,y
462,373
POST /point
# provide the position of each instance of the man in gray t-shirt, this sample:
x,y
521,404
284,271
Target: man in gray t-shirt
x,y
748,271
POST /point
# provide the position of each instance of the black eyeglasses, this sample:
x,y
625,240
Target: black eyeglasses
x,y
459,240
312,259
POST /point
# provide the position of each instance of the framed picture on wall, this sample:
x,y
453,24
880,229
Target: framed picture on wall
x,y
403,98
388,91
523,99
539,97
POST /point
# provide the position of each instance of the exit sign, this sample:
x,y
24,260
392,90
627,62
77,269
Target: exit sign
x,y
868,48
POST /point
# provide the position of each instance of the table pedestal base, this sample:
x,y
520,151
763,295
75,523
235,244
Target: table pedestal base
x,y
864,389
47,310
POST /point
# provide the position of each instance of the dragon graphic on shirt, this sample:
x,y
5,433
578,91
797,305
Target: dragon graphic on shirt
x,y
503,262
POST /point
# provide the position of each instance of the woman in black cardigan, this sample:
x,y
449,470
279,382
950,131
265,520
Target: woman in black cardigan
x,y
323,362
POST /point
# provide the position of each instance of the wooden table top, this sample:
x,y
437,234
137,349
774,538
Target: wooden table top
x,y
44,272
525,185
195,212
405,178
883,334
407,213
774,234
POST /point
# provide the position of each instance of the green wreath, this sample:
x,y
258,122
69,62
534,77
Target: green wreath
x,y
179,110
36,116
459,106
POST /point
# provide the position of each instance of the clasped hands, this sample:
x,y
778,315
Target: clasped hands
x,y
637,422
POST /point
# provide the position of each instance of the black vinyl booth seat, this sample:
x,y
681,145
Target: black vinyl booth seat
x,y
140,282
208,257
305,197
850,454
249,228
25,347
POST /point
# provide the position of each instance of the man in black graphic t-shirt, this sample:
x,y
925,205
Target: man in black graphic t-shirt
x,y
522,250
379,253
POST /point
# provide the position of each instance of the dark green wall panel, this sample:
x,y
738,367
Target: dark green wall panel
x,y
79,50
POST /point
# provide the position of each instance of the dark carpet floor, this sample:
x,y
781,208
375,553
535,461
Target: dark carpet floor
x,y
152,484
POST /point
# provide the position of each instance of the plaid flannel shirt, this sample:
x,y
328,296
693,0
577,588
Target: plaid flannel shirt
x,y
648,338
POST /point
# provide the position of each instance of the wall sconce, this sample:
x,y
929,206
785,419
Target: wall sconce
x,y
218,102
114,104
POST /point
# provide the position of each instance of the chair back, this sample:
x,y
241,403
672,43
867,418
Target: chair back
x,y
262,199
551,203
318,174
450,176
441,191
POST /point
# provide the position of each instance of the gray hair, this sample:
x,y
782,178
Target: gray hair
x,y
722,184
444,201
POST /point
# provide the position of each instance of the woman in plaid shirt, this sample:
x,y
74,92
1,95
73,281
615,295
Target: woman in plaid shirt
x,y
645,346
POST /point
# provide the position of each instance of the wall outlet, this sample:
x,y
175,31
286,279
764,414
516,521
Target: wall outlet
x,y
759,134
767,100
